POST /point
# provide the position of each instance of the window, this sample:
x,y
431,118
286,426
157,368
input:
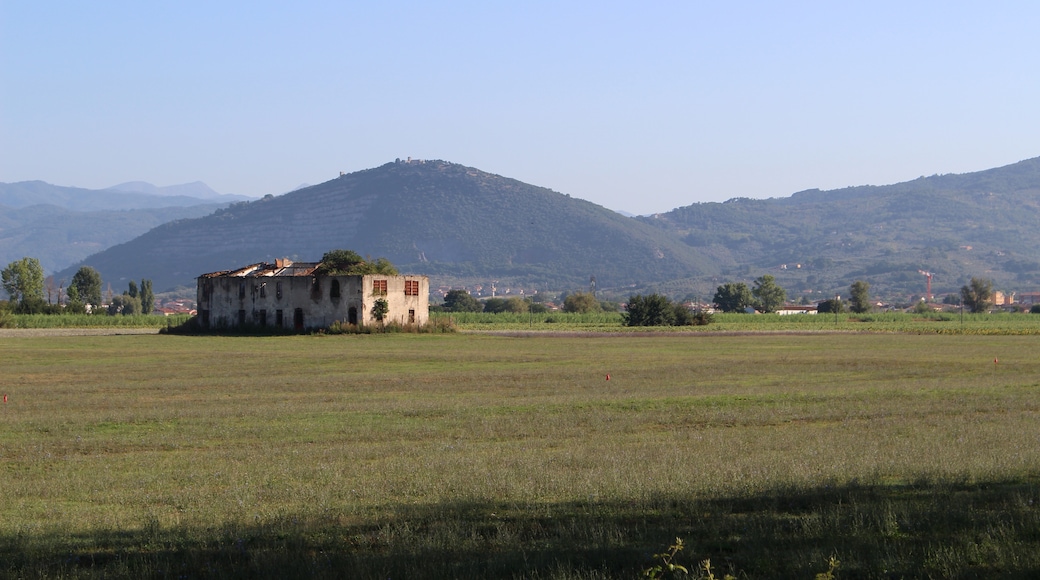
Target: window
x,y
242,289
278,290
411,287
379,287
411,316
262,318
334,289
263,290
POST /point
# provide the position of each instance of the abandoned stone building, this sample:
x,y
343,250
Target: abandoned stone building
x,y
297,295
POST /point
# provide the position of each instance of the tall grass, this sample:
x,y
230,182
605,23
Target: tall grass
x,y
93,320
474,456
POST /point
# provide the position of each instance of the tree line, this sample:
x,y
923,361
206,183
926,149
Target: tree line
x,y
30,293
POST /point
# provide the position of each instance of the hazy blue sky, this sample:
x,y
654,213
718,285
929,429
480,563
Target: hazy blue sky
x,y
636,106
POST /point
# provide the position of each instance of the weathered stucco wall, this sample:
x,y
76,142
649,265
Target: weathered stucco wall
x,y
310,302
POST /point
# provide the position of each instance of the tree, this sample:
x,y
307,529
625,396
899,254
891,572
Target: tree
x,y
87,282
147,297
977,293
53,290
74,304
495,305
732,297
581,302
124,304
132,292
517,304
860,292
380,310
768,296
23,280
461,301
350,263
831,306
652,310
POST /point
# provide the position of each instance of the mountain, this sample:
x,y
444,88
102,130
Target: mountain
x,y
58,237
27,193
196,190
455,223
955,226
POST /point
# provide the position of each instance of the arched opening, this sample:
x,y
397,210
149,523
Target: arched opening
x,y
334,289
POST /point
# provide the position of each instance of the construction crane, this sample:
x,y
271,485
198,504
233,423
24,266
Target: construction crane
x,y
928,294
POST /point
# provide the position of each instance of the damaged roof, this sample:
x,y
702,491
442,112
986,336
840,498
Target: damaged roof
x,y
281,267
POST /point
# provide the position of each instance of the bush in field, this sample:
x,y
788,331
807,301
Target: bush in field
x,y
461,301
513,304
125,304
657,310
581,302
831,306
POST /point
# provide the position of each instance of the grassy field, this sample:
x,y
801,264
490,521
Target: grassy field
x,y
932,323
473,456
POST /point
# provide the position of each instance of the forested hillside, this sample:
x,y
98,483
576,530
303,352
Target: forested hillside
x,y
455,223
954,226
465,226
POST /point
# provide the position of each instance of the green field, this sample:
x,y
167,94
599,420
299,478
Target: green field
x,y
473,456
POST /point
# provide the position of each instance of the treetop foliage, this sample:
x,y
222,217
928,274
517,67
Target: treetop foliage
x,y
769,297
87,282
733,297
350,263
860,292
23,280
977,294
461,301
581,302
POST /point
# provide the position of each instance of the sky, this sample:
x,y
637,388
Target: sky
x,y
641,107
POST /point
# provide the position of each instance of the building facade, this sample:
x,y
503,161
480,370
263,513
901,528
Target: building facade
x,y
296,295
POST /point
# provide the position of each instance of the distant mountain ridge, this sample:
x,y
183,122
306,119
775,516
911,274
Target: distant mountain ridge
x,y
462,225
63,225
132,195
956,226
452,222
196,189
